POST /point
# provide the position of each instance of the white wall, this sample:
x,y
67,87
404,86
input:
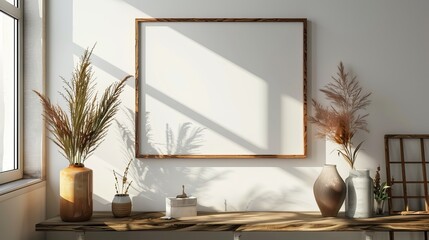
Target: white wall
x,y
384,42
20,211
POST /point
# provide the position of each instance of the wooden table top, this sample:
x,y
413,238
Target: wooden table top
x,y
239,221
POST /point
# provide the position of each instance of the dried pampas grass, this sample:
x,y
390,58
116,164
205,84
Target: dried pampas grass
x,y
340,121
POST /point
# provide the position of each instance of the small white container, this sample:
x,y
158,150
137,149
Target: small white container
x,y
180,207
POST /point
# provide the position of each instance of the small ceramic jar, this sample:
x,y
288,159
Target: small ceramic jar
x,y
121,205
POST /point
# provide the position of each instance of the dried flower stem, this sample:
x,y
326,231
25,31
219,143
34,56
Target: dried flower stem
x,y
380,189
341,120
124,187
116,182
129,184
80,131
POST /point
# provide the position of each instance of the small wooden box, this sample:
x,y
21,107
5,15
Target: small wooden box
x,y
180,207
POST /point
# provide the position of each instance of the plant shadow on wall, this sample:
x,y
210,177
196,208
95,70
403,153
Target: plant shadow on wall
x,y
155,181
188,139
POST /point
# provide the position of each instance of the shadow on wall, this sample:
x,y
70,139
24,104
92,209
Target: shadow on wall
x,y
219,184
155,182
188,139
257,199
260,188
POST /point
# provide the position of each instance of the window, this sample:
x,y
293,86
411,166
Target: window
x,y
10,90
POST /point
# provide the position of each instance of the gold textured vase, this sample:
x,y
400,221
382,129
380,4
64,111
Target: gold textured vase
x,y
76,193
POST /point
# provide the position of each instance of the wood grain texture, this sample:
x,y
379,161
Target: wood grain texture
x,y
304,20
240,221
218,156
404,176
425,179
406,136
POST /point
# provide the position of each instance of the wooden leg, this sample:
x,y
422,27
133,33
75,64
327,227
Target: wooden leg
x,y
426,235
80,235
392,235
237,236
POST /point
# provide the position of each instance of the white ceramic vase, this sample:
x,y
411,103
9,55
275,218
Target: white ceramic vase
x,y
359,198
121,205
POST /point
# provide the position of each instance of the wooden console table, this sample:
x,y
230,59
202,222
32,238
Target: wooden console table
x,y
237,222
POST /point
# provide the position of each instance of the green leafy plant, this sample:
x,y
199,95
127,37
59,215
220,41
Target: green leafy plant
x,y
123,187
80,131
341,120
380,189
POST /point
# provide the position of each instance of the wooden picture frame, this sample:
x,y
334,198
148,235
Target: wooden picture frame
x,y
221,88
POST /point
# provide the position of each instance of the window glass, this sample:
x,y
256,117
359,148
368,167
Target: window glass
x,y
8,93
13,2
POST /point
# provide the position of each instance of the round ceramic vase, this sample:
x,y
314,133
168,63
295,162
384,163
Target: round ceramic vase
x,y
360,198
329,191
121,205
75,193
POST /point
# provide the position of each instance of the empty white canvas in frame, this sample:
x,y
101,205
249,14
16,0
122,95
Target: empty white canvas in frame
x,y
221,88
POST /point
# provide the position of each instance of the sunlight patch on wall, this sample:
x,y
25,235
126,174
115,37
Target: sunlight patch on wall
x,y
292,137
186,69
176,83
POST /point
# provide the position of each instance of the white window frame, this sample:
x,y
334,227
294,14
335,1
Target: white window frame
x,y
17,13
